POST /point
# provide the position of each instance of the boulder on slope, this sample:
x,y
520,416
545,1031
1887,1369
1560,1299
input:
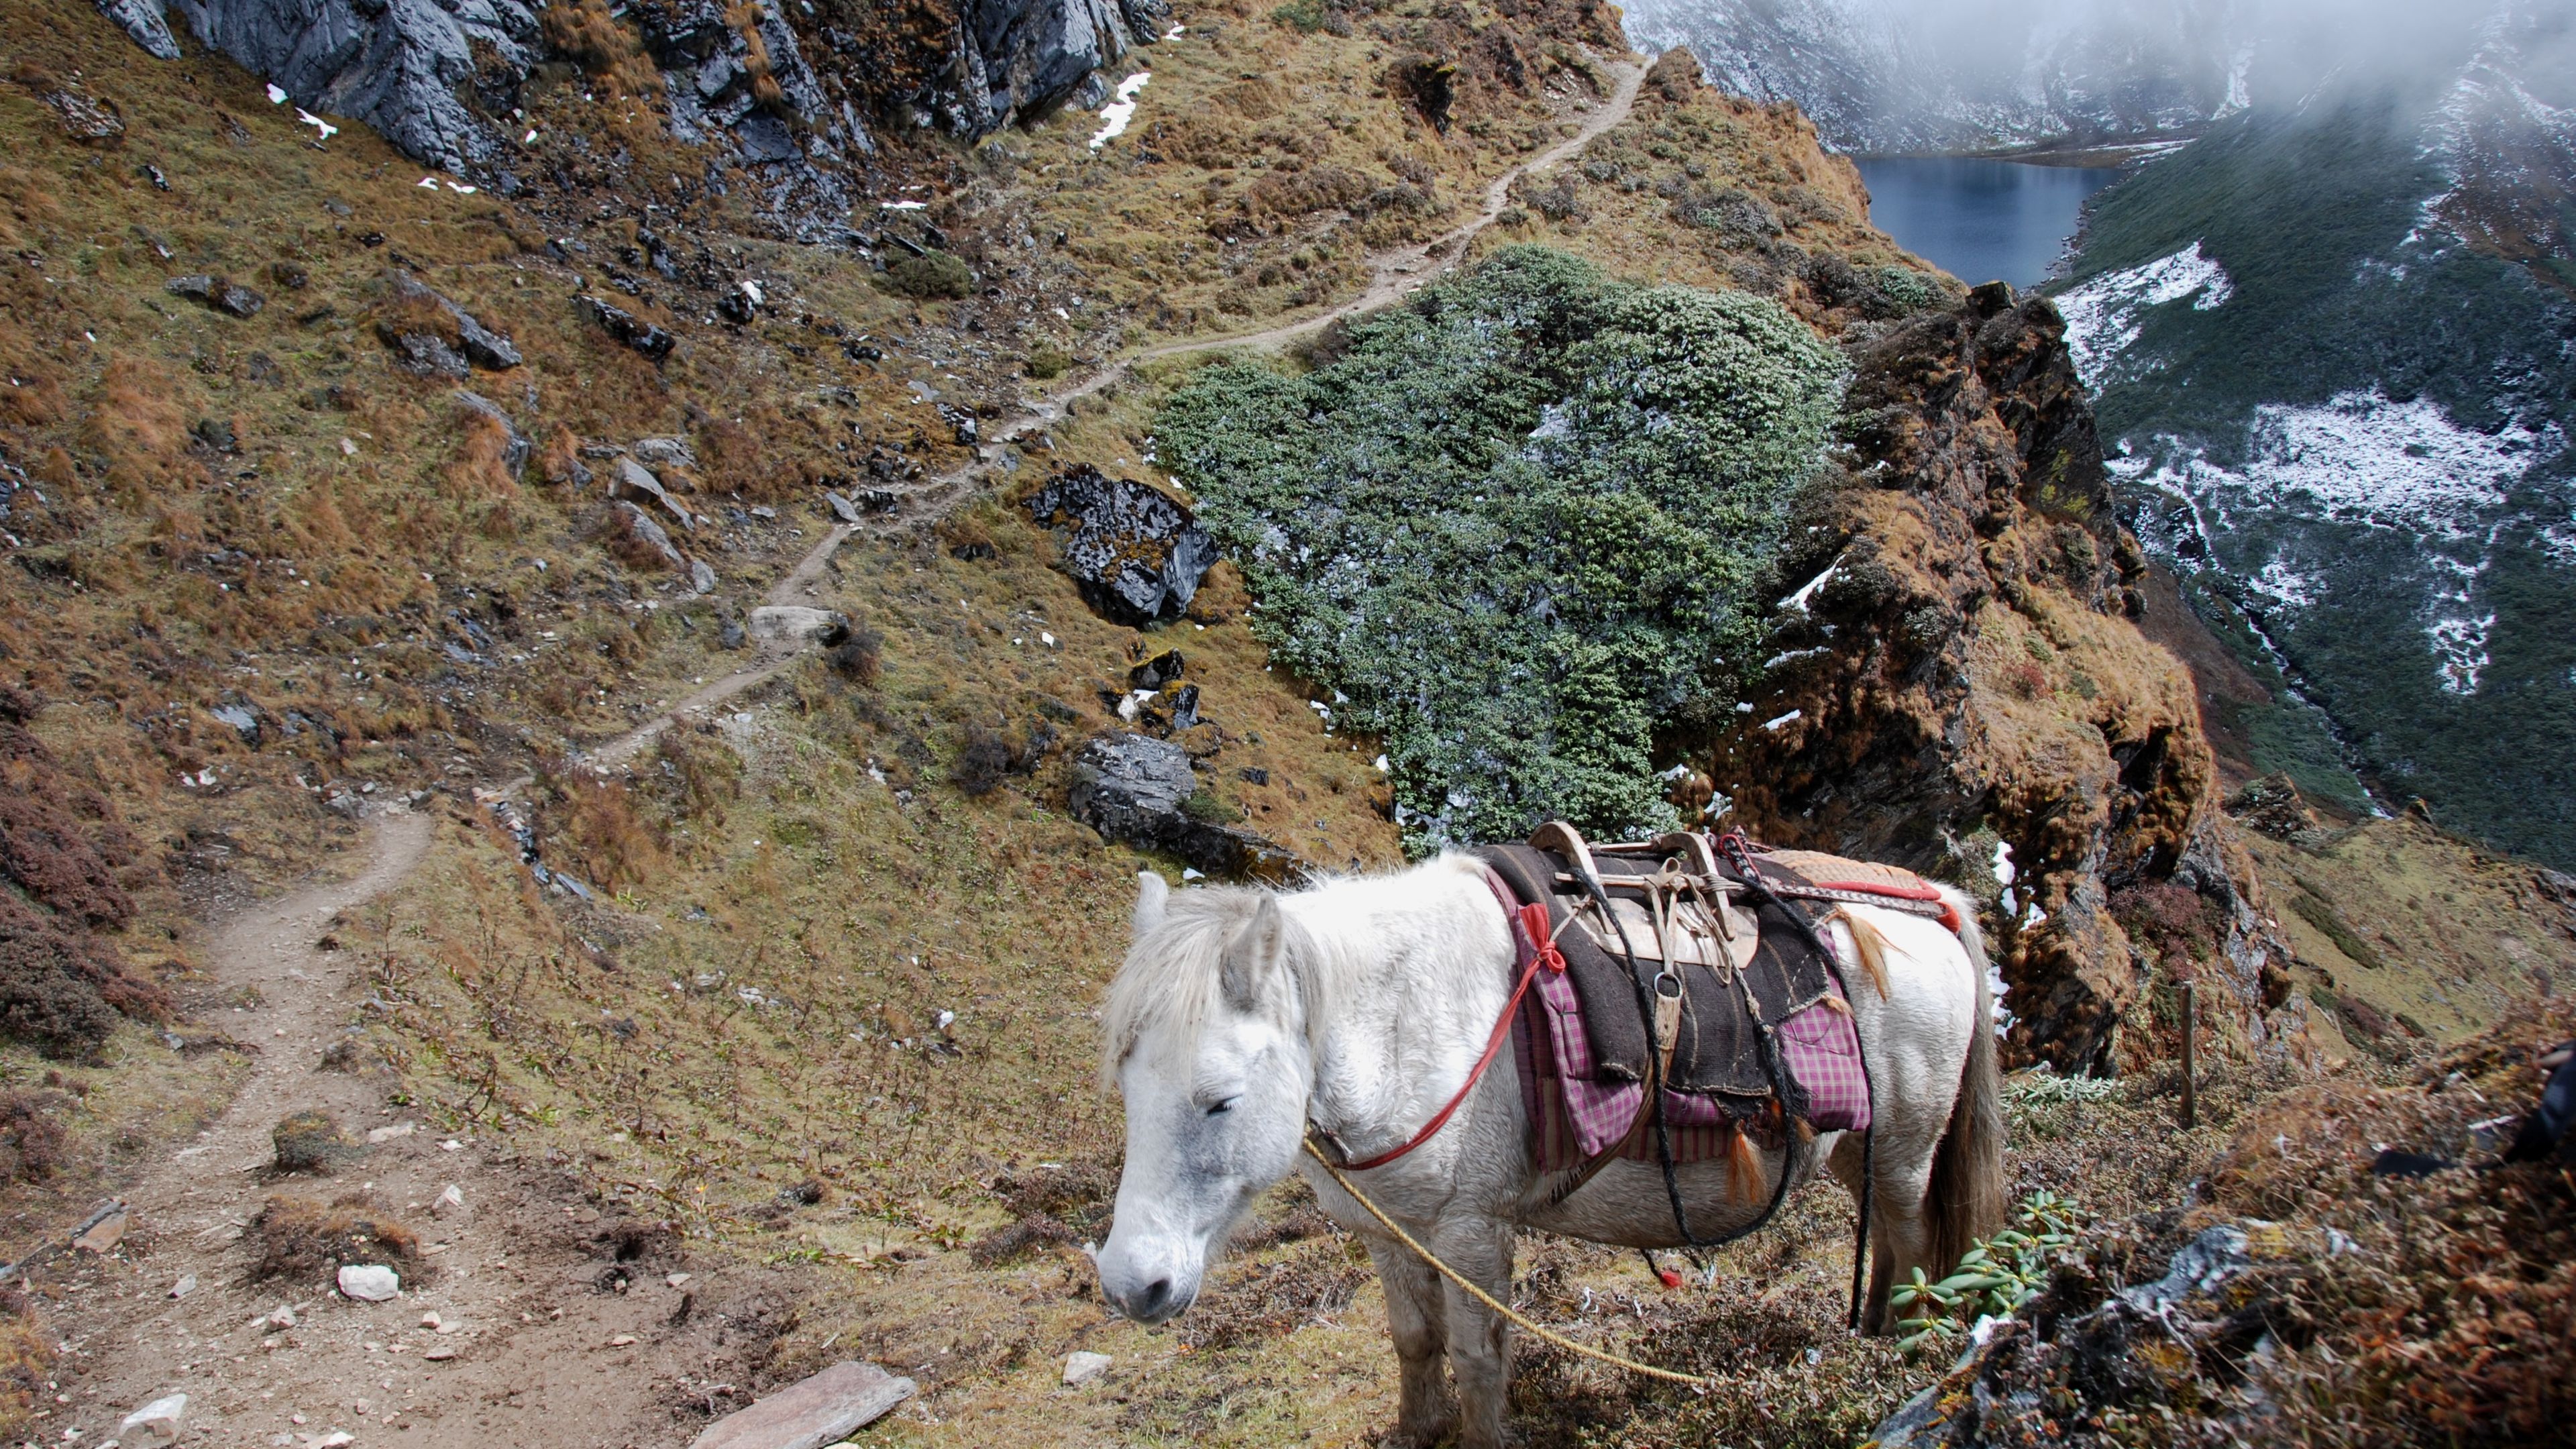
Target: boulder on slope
x,y
1136,555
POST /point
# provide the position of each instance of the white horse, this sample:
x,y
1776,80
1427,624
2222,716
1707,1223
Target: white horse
x,y
1359,1006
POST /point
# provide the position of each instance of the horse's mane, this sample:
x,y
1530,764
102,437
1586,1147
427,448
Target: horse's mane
x,y
1170,979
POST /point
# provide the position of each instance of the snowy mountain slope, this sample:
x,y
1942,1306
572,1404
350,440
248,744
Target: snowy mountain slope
x,y
2335,358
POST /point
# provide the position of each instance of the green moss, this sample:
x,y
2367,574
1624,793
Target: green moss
x,y
1517,524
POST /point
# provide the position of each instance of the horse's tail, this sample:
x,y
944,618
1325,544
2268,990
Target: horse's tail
x,y
1966,1200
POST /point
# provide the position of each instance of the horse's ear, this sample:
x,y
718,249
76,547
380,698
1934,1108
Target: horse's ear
x,y
1249,957
1152,892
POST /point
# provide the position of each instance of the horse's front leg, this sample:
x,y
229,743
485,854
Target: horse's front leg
x,y
1480,1345
1415,1315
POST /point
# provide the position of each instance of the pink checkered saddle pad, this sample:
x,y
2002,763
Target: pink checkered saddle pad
x,y
1581,1040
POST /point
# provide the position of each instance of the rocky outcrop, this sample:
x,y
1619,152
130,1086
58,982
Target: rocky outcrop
x,y
401,66
147,22
431,75
1136,555
1020,58
1143,791
1954,684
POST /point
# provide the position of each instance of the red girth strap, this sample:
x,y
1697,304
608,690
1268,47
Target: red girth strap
x,y
1531,939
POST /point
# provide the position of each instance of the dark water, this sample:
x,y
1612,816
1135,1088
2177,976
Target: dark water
x,y
1979,220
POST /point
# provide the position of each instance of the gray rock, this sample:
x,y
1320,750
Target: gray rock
x,y
842,508
630,329
1023,57
631,480
730,635
157,1422
1081,1367
515,456
481,345
702,579
839,1401
1137,789
665,452
143,20
422,353
1136,555
401,66
229,297
790,625
641,527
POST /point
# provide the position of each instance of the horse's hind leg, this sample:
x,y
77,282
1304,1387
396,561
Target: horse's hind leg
x,y
1900,1237
1425,1413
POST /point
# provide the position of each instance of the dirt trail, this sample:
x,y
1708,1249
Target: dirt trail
x,y
1392,274
500,1271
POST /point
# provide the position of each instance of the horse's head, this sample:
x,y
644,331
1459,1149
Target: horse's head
x,y
1206,1040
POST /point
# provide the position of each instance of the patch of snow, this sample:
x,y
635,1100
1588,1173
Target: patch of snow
x,y
1792,717
1115,115
1808,590
2003,867
2284,585
276,97
306,117
2460,650
2105,316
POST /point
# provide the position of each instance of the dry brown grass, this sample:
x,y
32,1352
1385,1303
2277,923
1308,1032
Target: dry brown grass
x,y
608,51
602,836
135,421
299,1237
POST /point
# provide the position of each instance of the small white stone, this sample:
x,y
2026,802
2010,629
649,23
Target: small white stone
x,y
370,1282
676,1279
155,1423
281,1320
388,1134
448,1203
1081,1367
185,1286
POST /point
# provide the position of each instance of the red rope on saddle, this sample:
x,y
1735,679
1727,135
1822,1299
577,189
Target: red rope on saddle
x,y
1541,948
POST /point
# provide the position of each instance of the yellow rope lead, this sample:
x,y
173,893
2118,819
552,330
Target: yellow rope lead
x,y
1481,1296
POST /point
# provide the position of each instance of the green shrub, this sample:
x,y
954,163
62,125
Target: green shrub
x,y
930,275
1517,523
1908,289
1047,362
1304,16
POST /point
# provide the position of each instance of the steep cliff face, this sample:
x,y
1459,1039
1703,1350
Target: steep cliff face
x,y
444,81
1957,685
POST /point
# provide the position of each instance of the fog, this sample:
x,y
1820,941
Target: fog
x,y
1905,72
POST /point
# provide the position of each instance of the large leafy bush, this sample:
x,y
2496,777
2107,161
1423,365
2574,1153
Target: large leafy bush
x,y
1517,525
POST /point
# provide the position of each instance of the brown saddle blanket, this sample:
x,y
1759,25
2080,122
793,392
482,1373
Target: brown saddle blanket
x,y
1720,1048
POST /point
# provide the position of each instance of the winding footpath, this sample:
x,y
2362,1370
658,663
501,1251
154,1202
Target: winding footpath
x,y
1393,274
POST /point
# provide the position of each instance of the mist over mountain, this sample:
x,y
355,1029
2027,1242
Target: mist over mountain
x,y
1955,75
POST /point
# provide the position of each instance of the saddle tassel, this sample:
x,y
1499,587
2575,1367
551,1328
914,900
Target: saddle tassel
x,y
1744,1176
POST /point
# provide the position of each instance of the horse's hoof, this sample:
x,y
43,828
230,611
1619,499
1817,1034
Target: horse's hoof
x,y
1424,1435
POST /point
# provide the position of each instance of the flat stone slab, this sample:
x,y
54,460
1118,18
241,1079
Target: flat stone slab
x,y
821,1411
791,624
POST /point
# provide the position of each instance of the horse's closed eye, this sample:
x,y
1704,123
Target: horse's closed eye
x,y
1218,1108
